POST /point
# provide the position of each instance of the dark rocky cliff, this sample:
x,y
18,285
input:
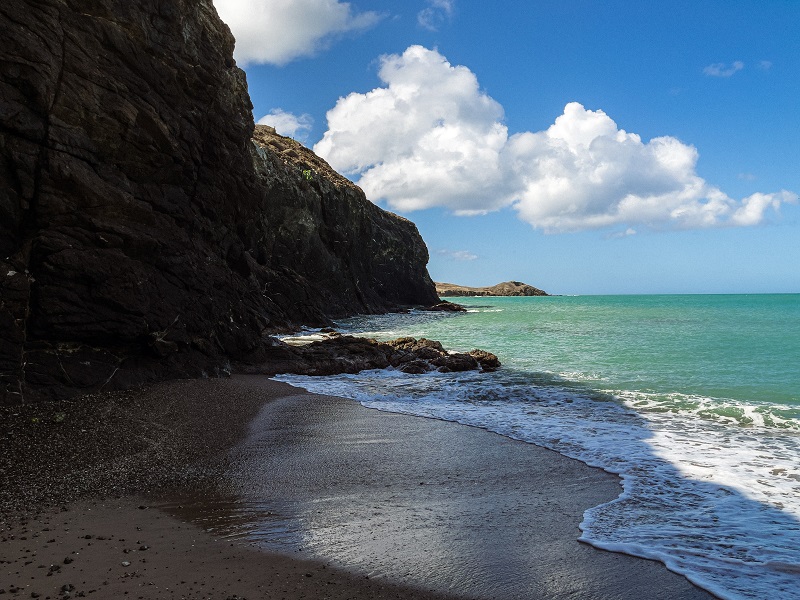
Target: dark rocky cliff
x,y
143,234
352,254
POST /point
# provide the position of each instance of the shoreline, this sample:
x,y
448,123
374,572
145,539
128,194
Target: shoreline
x,y
474,514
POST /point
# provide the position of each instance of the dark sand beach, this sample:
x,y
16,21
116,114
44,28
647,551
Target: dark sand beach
x,y
248,488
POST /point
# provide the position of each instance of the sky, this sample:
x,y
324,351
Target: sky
x,y
583,147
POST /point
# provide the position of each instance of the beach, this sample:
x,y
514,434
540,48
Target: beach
x,y
403,506
634,435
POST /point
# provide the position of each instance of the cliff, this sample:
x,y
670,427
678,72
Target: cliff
x,y
355,256
143,233
507,288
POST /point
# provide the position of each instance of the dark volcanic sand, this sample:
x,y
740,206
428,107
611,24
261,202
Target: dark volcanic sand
x,y
407,501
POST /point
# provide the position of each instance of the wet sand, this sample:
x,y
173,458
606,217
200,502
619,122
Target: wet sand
x,y
348,502
113,549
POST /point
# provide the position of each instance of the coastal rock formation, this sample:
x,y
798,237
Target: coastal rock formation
x,y
349,354
355,256
143,234
507,288
446,306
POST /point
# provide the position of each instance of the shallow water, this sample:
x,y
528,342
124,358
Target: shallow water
x,y
419,502
693,400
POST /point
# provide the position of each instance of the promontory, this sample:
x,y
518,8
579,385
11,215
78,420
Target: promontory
x,y
507,288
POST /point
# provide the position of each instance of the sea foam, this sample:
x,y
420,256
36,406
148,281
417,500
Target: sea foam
x,y
716,505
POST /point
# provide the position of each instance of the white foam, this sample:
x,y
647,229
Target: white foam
x,y
714,497
305,336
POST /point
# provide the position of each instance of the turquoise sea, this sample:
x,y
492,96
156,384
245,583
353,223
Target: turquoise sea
x,y
694,400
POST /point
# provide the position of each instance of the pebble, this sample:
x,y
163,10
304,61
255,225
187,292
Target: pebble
x,y
53,470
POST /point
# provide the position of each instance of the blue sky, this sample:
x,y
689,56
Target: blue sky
x,y
582,147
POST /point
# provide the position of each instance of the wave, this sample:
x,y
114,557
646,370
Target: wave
x,y
713,492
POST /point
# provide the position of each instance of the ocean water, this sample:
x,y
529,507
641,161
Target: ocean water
x,y
693,400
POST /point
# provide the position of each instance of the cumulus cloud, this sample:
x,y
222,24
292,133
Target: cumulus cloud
x,y
432,17
751,210
430,137
723,70
287,123
279,31
765,65
460,255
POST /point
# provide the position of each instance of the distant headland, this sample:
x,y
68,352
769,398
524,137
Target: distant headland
x,y
507,288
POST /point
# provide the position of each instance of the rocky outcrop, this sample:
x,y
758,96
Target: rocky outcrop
x,y
349,354
355,256
143,234
445,306
507,288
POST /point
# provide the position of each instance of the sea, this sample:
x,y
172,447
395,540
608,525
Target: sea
x,y
693,400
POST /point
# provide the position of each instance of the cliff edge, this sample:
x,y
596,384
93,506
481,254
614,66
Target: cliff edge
x,y
144,233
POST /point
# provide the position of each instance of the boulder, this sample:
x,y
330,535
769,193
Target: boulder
x,y
445,306
456,362
350,354
487,360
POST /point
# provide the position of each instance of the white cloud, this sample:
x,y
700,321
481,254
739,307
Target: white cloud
x,y
622,234
286,123
723,70
460,255
431,137
435,14
751,211
279,31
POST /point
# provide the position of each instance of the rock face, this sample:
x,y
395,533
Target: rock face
x,y
507,288
349,354
143,233
355,256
